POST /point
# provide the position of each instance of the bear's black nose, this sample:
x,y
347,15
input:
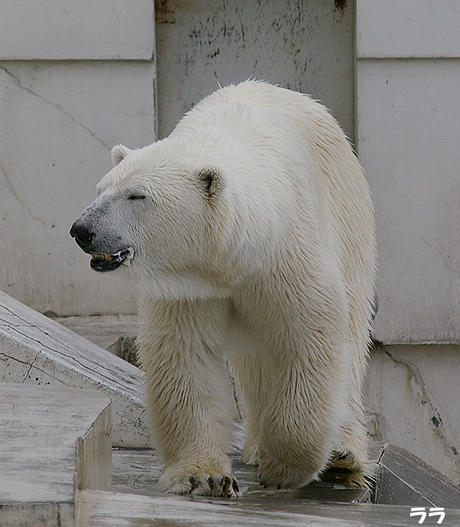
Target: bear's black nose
x,y
82,234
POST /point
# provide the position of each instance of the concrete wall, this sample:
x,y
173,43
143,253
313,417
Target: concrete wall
x,y
306,45
408,112
76,78
408,136
411,398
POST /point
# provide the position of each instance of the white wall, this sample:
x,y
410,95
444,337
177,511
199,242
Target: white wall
x,y
408,122
408,137
81,78
76,78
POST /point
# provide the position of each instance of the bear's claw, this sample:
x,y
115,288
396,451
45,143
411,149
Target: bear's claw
x,y
201,485
193,482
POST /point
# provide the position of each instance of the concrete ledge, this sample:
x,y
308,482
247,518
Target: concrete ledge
x,y
105,509
37,350
404,479
53,441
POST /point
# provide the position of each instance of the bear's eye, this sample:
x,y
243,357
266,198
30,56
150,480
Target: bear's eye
x,y
133,197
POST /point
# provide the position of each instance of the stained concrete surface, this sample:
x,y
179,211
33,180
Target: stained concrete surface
x,y
52,441
135,501
37,350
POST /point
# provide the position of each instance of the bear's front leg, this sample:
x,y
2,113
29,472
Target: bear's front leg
x,y
306,406
180,350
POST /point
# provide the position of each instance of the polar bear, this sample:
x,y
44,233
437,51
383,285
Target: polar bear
x,y
249,232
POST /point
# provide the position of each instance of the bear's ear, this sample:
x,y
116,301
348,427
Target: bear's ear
x,y
211,181
119,152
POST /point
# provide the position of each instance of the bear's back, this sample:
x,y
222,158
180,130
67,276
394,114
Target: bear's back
x,y
295,151
234,108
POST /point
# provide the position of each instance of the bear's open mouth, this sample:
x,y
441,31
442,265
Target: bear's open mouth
x,y
110,262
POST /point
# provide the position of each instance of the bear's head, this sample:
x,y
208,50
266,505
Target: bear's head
x,y
160,221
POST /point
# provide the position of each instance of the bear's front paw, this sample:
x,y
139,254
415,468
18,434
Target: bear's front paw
x,y
206,483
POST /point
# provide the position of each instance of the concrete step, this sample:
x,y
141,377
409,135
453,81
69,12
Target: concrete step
x,y
103,509
53,441
35,349
106,331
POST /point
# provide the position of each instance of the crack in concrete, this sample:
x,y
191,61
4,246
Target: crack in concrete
x,y
26,363
15,194
444,258
73,356
34,218
10,186
31,365
94,374
436,421
15,315
10,357
56,106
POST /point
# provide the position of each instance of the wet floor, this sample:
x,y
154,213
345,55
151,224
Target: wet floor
x,y
323,504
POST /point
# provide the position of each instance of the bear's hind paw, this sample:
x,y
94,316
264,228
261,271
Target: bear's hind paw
x,y
344,467
281,476
201,484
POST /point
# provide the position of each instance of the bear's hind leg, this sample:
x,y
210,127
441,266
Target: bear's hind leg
x,y
349,462
180,349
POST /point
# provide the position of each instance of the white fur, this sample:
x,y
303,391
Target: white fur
x,y
275,268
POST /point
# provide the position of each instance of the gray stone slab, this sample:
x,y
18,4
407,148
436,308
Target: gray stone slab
x,y
37,514
52,441
37,350
135,471
406,479
104,509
